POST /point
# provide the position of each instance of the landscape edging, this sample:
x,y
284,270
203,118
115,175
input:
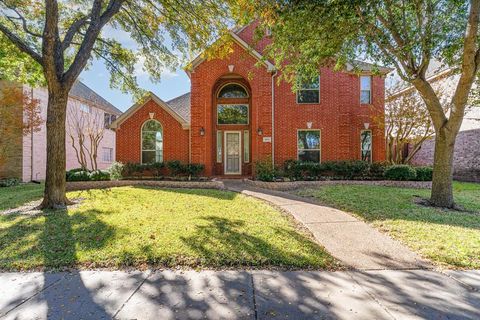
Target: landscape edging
x,y
291,185
86,185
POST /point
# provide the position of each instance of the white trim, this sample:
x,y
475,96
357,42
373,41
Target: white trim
x,y
141,140
230,83
150,97
239,132
371,144
360,91
319,143
319,94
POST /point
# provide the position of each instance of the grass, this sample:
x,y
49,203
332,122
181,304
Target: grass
x,y
13,197
139,226
449,238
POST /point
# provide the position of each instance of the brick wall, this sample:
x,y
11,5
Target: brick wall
x,y
175,139
466,161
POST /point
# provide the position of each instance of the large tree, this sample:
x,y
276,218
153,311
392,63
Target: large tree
x,y
61,38
404,34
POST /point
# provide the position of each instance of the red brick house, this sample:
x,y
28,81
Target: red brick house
x,y
237,113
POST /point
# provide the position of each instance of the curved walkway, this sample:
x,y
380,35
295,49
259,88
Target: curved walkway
x,y
350,240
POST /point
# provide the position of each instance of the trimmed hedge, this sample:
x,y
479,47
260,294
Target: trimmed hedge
x,y
170,168
9,182
264,170
80,174
402,172
424,173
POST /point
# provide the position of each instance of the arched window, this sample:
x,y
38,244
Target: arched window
x,y
232,90
152,142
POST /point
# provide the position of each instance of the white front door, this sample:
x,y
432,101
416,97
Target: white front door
x,y
233,155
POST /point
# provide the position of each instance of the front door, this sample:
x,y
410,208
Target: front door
x,y
233,155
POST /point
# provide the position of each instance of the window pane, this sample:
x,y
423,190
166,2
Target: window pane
x,y
365,97
148,140
219,146
365,83
308,96
310,84
366,145
152,125
233,91
148,157
232,114
309,155
246,146
309,139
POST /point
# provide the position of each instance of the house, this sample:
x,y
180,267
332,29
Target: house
x,y
236,114
466,158
87,112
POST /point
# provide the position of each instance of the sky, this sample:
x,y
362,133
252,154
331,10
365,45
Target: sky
x,y
172,84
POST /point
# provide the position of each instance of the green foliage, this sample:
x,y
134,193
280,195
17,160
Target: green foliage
x,y
78,175
116,170
424,173
264,170
99,175
175,167
194,169
133,169
400,172
10,182
355,169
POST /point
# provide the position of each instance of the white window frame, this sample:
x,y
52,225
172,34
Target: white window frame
x,y
85,108
319,144
371,145
319,97
141,141
370,90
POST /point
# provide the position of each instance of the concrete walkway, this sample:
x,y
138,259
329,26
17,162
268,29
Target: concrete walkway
x,y
351,241
379,294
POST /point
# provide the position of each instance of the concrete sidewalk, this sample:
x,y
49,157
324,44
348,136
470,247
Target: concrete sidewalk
x,y
350,240
417,294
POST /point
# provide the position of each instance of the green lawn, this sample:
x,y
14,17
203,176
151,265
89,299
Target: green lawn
x,y
13,197
137,226
448,238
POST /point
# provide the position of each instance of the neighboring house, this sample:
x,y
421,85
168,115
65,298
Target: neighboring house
x,y
466,161
85,110
236,114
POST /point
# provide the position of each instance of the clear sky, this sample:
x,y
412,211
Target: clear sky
x,y
173,84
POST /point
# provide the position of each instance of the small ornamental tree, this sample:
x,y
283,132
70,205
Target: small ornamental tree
x,y
61,37
406,35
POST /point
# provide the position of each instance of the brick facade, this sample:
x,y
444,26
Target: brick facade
x,y
175,138
466,157
339,116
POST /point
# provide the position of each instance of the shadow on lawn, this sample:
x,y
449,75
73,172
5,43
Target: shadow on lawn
x,y
58,236
210,193
225,242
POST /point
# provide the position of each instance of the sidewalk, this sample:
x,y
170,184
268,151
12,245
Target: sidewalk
x,y
412,294
350,240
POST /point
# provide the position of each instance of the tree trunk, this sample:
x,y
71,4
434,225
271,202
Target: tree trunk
x,y
442,193
55,193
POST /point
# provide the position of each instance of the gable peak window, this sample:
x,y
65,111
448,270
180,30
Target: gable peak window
x,y
308,91
365,89
152,142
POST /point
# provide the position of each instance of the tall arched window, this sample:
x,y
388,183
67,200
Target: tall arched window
x,y
152,142
232,105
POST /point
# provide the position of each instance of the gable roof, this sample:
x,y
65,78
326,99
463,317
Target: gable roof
x,y
181,105
200,58
81,91
174,112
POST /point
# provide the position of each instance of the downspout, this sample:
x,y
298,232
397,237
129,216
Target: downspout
x,y
273,118
31,143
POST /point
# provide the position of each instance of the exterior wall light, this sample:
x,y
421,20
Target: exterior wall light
x,y
260,131
202,131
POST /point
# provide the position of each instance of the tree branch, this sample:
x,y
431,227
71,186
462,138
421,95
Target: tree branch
x,y
20,44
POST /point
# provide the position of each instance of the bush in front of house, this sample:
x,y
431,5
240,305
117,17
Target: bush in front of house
x,y
78,174
116,170
424,173
354,169
194,169
173,168
9,182
99,175
401,172
264,170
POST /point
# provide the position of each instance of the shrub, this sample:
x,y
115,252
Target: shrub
x,y
264,170
400,172
292,169
78,175
10,182
424,173
194,169
131,169
99,175
297,170
377,170
116,170
176,168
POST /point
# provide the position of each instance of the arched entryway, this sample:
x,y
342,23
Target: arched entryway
x,y
232,127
